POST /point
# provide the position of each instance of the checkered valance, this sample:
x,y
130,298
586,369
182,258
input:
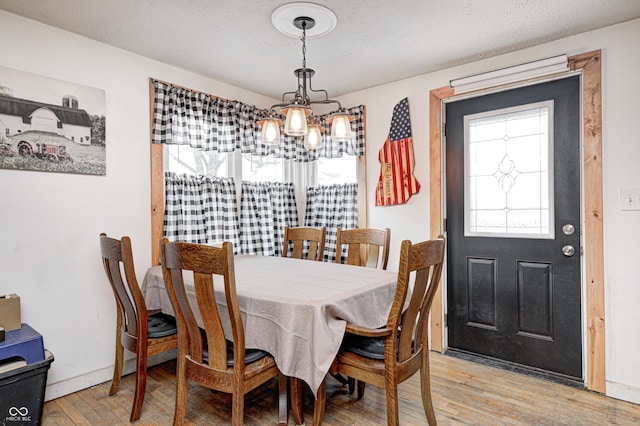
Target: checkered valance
x,y
187,117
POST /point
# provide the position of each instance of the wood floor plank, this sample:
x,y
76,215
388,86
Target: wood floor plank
x,y
464,393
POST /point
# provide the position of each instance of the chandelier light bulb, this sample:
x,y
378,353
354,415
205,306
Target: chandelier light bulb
x,y
313,137
270,134
296,122
341,128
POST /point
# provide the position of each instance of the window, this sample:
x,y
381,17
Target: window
x,y
337,170
323,171
263,168
270,193
509,172
182,159
228,185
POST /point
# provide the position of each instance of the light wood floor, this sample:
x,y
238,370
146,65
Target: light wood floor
x,y
464,393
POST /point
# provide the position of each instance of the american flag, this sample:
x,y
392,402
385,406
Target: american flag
x,y
396,182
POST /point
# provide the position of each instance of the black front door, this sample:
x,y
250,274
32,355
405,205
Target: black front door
x,y
513,226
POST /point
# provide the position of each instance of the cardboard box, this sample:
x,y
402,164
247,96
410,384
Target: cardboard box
x,y
10,312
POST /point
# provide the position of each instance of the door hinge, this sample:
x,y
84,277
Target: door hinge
x,y
446,318
444,225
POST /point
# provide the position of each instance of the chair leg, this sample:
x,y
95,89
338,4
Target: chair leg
x,y
180,410
296,400
117,367
340,378
352,386
141,385
425,389
283,409
361,389
392,404
237,409
320,404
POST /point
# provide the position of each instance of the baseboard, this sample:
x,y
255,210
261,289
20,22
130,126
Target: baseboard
x,y
623,392
94,378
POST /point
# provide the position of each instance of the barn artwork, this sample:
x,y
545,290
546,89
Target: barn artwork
x,y
396,182
51,125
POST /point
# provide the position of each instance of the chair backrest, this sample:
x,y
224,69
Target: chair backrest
x,y
203,263
424,262
117,257
365,246
298,237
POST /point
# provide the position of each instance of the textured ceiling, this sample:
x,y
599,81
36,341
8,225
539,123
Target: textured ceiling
x,y
374,42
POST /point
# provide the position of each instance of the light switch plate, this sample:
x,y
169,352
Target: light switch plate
x,y
629,198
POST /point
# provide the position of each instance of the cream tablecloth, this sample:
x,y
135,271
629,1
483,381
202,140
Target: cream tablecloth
x,y
296,309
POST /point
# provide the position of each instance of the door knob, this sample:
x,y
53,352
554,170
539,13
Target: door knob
x,y
568,250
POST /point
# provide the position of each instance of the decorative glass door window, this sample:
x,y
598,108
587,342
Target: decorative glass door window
x,y
509,172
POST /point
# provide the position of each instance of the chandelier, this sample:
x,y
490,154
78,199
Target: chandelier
x,y
296,107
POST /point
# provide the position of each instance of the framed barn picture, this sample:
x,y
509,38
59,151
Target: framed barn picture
x,y
51,125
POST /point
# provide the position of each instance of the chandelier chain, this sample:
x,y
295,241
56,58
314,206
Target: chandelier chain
x,y
304,44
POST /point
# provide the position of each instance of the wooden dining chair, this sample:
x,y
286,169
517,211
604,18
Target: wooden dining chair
x,y
204,354
296,238
365,246
137,330
387,356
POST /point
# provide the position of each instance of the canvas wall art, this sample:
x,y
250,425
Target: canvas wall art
x,y
51,125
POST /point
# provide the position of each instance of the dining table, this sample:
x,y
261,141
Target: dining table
x,y
295,309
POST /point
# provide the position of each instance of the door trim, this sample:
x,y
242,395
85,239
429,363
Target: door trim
x,y
589,64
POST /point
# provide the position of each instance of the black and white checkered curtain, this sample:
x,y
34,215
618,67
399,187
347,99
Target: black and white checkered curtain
x,y
332,206
266,208
200,209
187,117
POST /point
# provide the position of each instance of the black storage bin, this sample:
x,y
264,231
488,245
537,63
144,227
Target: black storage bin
x,y
22,393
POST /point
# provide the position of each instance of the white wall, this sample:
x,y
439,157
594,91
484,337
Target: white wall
x,y
50,222
621,159
49,252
